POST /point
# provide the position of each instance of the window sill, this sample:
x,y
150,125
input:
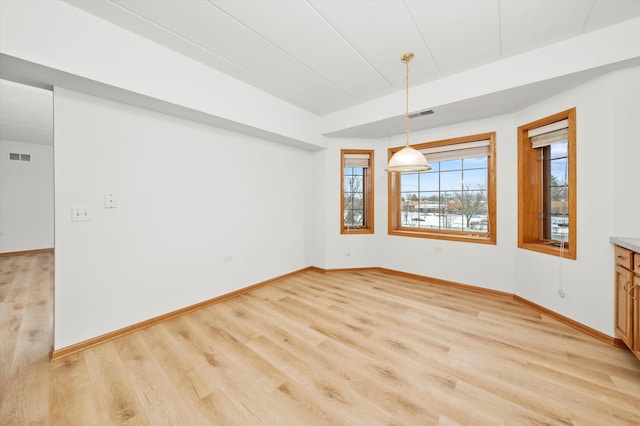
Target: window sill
x,y
356,231
458,236
550,249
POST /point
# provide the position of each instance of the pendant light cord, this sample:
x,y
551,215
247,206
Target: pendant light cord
x,y
406,59
407,159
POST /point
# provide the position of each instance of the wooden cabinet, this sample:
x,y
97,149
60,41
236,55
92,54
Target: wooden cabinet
x,y
624,307
627,281
635,296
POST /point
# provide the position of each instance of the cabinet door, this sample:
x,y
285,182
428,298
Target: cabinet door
x,y
635,325
624,306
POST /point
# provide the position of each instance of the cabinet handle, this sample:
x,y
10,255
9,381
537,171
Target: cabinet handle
x,y
631,289
624,287
621,257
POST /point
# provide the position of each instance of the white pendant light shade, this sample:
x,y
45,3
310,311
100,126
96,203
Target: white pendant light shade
x,y
408,160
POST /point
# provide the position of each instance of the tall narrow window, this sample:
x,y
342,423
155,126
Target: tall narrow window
x,y
547,185
356,191
455,200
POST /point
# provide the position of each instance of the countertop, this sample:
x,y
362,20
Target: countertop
x,y
632,244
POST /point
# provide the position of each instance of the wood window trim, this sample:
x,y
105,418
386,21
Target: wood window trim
x,y
394,197
368,228
530,172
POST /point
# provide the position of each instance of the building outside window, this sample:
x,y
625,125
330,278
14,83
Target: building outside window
x,y
547,185
356,191
455,199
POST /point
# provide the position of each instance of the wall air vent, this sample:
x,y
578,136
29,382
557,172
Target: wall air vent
x,y
19,157
421,113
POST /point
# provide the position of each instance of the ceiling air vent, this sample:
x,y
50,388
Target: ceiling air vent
x,y
25,157
421,113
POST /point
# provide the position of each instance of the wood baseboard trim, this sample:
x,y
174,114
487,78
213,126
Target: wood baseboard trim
x,y
571,323
26,252
69,350
618,343
447,283
328,271
60,353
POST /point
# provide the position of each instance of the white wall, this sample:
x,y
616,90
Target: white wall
x,y
189,195
481,265
319,224
182,210
475,264
608,157
625,107
342,250
26,197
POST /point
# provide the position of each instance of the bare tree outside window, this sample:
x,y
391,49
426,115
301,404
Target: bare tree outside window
x,y
356,191
462,206
353,201
472,201
455,199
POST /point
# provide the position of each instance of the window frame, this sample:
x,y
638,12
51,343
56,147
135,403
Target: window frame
x,y
531,181
395,194
368,194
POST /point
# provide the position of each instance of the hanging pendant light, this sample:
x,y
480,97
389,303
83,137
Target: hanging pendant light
x,y
407,159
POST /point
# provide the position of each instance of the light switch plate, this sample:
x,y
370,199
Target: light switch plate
x,y
80,214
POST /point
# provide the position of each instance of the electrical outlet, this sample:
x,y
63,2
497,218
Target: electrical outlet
x,y
227,259
110,200
80,214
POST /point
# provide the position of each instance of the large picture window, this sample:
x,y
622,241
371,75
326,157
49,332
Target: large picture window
x,y
547,185
356,192
454,200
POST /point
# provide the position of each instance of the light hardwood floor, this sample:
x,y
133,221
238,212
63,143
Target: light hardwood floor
x,y
352,348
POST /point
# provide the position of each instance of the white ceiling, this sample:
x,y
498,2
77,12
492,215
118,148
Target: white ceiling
x,y
26,113
326,55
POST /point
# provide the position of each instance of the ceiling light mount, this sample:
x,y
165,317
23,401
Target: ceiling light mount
x,y
407,159
407,57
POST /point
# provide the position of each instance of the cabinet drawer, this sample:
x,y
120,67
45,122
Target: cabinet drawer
x,y
636,263
624,257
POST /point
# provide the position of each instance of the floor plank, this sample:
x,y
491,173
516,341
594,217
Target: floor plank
x,y
26,338
339,348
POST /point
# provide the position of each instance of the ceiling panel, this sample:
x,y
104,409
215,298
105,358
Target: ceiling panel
x,y
460,34
610,12
326,55
209,27
530,24
381,32
336,62
145,28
